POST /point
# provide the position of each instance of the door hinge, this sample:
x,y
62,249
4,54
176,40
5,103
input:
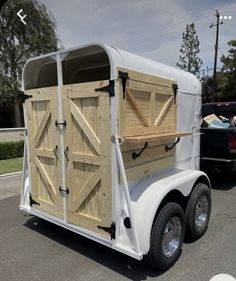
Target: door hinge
x,y
64,190
175,88
108,89
32,201
111,230
124,76
24,97
62,123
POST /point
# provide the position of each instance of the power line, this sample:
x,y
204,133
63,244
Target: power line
x,y
169,29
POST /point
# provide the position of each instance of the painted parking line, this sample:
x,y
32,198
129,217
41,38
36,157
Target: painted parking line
x,y
10,174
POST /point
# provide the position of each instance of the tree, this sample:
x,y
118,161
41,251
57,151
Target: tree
x,y
208,92
19,42
229,69
188,59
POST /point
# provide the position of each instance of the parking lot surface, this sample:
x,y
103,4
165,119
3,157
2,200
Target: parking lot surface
x,y
33,249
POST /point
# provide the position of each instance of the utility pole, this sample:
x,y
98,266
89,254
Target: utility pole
x,y
216,51
218,22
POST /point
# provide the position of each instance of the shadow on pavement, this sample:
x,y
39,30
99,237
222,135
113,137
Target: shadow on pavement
x,y
122,264
223,181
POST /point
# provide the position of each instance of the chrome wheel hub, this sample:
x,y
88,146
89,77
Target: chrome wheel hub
x,y
201,212
171,237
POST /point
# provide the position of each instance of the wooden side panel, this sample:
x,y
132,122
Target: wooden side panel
x,y
154,158
88,170
149,105
41,113
148,108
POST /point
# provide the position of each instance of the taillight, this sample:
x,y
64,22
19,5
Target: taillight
x,y
232,143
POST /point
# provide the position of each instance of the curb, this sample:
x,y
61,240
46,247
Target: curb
x,y
10,174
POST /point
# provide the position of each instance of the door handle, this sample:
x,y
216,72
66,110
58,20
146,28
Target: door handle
x,y
55,151
66,153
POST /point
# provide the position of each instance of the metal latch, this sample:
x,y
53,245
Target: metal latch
x,y
58,123
108,89
111,230
64,190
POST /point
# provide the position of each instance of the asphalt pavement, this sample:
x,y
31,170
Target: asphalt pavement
x,y
10,185
32,249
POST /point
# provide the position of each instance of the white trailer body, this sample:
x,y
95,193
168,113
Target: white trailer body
x,y
137,193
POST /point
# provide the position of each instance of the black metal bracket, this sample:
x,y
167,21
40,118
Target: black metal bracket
x,y
137,154
32,201
58,123
108,89
55,151
24,97
64,190
66,153
167,148
124,76
175,88
111,230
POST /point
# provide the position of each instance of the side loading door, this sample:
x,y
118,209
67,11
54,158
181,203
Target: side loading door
x,y
147,104
88,154
41,113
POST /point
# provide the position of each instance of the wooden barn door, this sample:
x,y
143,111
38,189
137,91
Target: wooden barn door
x,y
41,113
87,149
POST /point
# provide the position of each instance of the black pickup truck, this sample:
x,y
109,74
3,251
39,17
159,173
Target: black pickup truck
x,y
218,146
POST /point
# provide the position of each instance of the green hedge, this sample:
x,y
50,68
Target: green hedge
x,y
11,149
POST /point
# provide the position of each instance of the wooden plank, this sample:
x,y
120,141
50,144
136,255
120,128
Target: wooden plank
x,y
86,190
142,87
164,110
154,137
147,78
139,113
87,159
89,110
85,127
149,154
84,90
49,208
42,126
152,108
45,153
128,147
106,181
147,169
46,179
87,222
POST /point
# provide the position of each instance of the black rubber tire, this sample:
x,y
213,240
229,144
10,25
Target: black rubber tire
x,y
192,231
155,257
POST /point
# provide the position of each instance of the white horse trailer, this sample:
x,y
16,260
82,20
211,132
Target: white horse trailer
x,y
112,149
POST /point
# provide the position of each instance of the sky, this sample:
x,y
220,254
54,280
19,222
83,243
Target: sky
x,y
151,28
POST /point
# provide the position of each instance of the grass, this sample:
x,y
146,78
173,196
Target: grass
x,y
10,165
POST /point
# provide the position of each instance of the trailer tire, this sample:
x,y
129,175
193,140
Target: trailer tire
x,y
198,211
166,237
